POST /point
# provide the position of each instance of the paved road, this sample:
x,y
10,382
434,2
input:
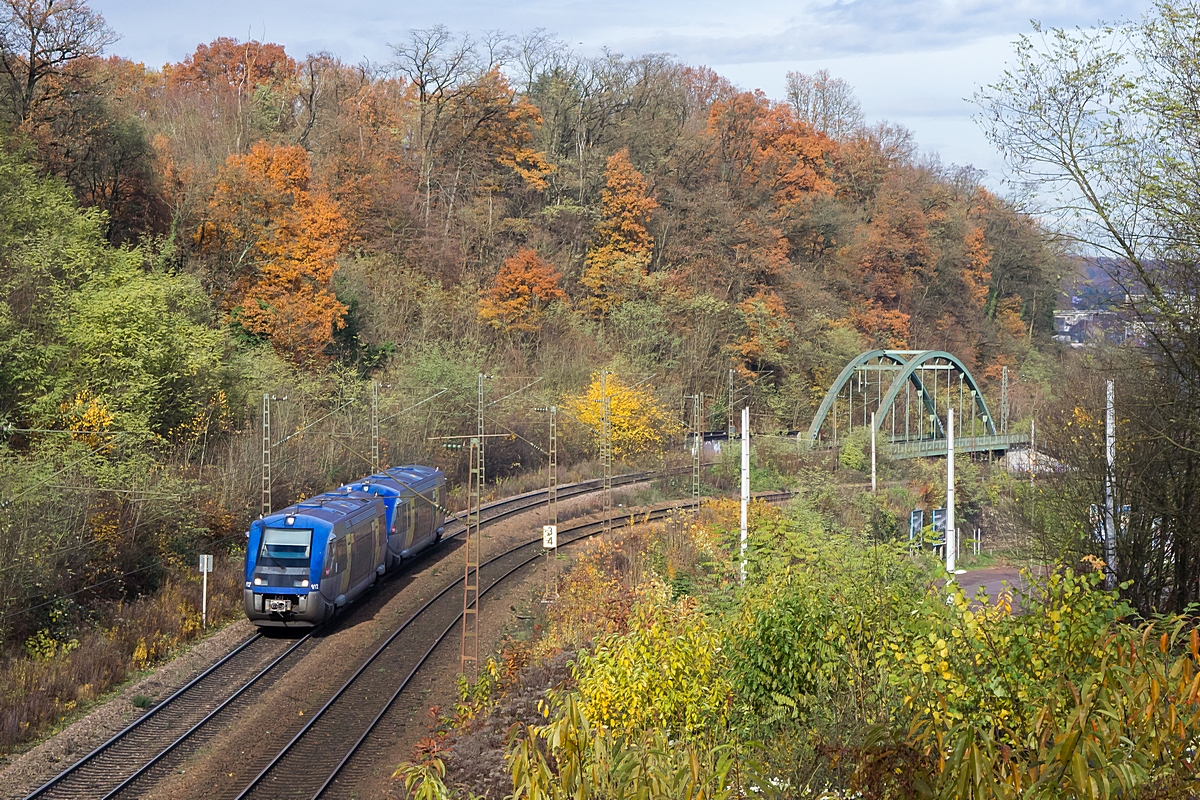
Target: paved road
x,y
992,580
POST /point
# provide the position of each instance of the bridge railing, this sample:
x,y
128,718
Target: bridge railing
x,y
962,444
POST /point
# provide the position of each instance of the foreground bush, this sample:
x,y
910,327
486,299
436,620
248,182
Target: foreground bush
x,y
862,674
865,676
1069,698
665,675
56,677
569,757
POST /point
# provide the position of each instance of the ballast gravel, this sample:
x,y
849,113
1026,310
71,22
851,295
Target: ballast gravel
x,y
21,773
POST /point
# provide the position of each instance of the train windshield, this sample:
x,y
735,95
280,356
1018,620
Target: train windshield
x,y
285,547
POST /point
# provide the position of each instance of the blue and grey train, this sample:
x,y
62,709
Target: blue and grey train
x,y
312,558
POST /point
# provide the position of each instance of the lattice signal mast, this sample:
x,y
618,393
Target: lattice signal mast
x,y
374,427
552,502
697,447
729,407
606,450
552,476
1004,400
479,431
471,546
266,454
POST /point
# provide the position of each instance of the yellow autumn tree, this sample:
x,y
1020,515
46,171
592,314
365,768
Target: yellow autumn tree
x,y
281,237
616,263
640,423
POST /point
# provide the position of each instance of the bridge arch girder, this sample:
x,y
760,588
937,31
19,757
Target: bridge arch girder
x,y
910,362
909,371
898,357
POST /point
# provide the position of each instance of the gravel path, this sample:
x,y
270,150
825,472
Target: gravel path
x,y
992,581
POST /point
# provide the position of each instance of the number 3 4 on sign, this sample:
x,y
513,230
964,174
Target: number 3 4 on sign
x,y
550,537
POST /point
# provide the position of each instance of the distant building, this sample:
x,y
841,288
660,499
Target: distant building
x,y
1024,461
1083,327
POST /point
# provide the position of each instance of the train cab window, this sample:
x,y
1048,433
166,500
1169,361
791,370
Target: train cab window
x,y
285,547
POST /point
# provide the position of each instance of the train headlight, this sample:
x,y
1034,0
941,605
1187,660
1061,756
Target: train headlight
x,y
304,584
258,581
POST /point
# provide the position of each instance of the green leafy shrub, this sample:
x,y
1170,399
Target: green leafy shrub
x,y
855,450
1065,699
569,757
665,674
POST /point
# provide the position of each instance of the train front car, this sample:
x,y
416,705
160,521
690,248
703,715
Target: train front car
x,y
308,560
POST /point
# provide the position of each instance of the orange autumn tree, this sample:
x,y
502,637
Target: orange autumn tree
x,y
227,65
278,238
620,253
894,260
761,147
493,124
524,286
977,273
775,167
769,333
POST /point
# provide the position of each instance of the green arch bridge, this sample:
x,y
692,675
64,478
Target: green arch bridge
x,y
910,393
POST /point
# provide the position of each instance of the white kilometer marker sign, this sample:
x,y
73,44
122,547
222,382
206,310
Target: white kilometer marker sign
x,y
550,545
206,566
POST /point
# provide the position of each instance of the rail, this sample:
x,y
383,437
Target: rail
x,y
328,727
110,770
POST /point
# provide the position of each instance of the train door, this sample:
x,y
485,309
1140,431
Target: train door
x,y
335,573
399,533
378,542
425,522
362,561
410,513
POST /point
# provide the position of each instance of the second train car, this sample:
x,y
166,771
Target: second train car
x,y
305,562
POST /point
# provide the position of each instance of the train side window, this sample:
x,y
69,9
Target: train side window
x,y
336,557
400,520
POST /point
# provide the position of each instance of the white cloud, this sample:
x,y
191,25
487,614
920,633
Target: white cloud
x,y
910,61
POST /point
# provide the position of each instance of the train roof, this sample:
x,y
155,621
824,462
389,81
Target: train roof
x,y
394,482
410,473
329,507
334,505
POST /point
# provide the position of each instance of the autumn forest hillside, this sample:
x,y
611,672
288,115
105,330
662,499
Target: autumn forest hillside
x,y
177,240
533,208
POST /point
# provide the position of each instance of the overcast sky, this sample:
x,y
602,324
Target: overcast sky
x,y
910,61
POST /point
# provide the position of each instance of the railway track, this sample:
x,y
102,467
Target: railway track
x,y
183,721
320,760
500,509
114,765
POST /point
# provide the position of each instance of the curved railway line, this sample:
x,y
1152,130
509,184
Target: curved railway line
x,y
128,756
317,755
361,743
